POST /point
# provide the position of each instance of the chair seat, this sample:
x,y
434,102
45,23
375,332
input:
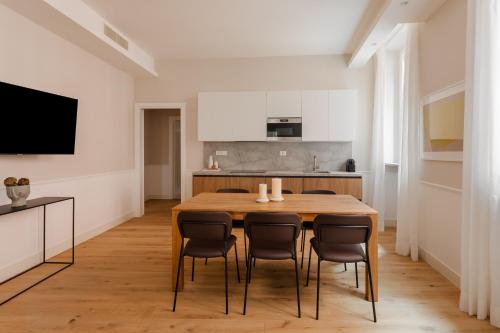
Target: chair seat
x,y
272,250
307,225
208,248
339,252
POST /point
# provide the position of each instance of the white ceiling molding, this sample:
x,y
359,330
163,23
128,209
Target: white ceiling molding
x,y
81,25
391,13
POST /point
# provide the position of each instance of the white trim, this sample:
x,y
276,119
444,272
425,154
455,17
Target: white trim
x,y
440,267
447,91
171,129
139,146
442,187
158,197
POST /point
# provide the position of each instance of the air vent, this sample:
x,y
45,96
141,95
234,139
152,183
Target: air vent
x,y
116,37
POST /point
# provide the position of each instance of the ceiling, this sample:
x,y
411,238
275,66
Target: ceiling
x,y
235,28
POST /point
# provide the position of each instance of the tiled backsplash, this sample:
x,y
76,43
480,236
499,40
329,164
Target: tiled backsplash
x,y
266,155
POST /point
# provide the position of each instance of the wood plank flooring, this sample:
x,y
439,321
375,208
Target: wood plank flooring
x,y
121,283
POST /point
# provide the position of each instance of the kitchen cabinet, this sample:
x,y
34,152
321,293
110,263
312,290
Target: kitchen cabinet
x,y
343,105
232,116
315,115
284,104
352,186
341,185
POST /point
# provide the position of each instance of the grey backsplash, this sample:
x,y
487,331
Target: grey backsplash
x,y
266,155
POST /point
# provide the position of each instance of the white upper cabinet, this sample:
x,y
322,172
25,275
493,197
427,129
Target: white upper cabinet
x,y
232,116
284,104
343,105
315,115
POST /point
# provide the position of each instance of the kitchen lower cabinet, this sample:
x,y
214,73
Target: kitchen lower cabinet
x,y
352,186
341,185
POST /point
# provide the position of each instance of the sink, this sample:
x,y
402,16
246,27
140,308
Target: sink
x,y
321,171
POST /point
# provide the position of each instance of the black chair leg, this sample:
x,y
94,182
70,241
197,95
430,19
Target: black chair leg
x,y
237,263
345,267
356,268
371,288
192,271
317,288
309,265
225,282
254,261
181,261
297,284
302,239
249,266
245,241
206,261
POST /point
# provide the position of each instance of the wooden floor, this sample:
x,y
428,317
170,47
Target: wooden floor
x,y
121,283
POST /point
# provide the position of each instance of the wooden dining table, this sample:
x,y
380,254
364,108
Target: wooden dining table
x,y
308,206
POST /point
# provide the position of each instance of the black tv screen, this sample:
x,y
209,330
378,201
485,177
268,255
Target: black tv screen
x,y
36,122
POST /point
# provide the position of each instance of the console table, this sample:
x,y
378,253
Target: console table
x,y
35,203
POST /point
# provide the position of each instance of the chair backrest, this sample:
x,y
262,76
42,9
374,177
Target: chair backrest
x,y
232,190
277,227
342,229
283,191
205,225
318,192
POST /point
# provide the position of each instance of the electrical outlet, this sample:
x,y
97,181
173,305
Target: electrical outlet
x,y
282,152
221,153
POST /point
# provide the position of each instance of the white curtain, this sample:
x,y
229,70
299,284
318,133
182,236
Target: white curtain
x,y
377,186
409,167
480,259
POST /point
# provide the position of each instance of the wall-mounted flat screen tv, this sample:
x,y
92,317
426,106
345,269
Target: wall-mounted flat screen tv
x,y
36,122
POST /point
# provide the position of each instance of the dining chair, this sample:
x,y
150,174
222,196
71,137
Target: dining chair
x,y
272,236
307,225
338,238
283,191
209,236
236,223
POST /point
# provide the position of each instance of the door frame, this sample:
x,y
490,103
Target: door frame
x,y
171,147
139,148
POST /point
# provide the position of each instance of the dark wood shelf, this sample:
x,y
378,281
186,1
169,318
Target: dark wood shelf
x,y
38,202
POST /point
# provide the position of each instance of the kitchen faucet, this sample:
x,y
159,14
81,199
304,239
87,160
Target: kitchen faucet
x,y
315,164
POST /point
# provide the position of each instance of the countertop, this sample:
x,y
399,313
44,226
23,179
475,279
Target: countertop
x,y
229,173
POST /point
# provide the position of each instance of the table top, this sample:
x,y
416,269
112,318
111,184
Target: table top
x,y
298,203
33,203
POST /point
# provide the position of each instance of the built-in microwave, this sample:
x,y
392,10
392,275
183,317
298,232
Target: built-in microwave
x,y
284,129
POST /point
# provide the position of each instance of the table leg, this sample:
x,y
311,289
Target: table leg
x,y
373,252
176,247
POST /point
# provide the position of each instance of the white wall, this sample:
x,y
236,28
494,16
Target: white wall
x,y
442,63
181,80
100,174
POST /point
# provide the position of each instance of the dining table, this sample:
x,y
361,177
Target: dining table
x,y
307,206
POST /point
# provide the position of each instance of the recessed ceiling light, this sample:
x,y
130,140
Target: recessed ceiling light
x,y
374,44
403,3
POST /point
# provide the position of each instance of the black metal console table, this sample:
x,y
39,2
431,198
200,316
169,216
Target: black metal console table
x,y
35,203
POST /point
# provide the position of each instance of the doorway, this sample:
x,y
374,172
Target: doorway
x,y
170,179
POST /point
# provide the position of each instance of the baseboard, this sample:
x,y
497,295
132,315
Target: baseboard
x,y
157,197
15,268
440,267
390,222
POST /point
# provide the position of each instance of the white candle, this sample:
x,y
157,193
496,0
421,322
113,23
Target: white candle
x,y
262,191
276,188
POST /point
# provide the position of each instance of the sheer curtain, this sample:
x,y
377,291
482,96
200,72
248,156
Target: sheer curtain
x,y
480,260
409,167
377,186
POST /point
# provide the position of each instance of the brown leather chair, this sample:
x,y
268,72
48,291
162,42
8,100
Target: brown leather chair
x,y
283,191
308,225
273,236
232,190
338,238
209,236
236,223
